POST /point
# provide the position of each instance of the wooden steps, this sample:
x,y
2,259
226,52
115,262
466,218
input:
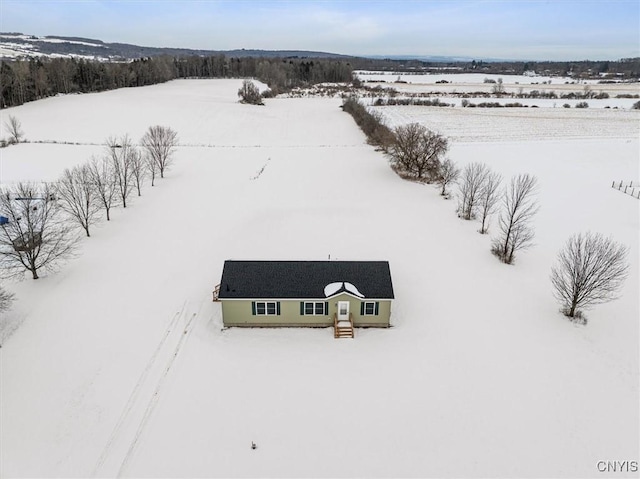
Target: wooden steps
x,y
342,329
216,293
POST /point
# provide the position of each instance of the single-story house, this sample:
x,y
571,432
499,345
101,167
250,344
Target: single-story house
x,y
305,294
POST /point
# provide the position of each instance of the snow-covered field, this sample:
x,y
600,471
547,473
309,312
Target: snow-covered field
x,y
118,364
501,124
460,78
513,84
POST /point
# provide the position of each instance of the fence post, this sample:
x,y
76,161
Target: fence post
x,y
625,189
620,185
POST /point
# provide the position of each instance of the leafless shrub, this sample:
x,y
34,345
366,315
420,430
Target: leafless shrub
x,y
370,122
498,88
249,93
416,151
590,270
6,299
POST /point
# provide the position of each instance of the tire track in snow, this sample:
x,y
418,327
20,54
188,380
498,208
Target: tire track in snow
x,y
188,327
126,416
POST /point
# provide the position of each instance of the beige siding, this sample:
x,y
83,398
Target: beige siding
x,y
238,313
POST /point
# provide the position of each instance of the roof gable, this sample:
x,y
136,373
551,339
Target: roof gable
x,y
305,279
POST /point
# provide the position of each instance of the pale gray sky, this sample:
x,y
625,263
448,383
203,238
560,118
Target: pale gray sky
x,y
517,29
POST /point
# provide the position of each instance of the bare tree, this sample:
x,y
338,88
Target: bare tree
x,y
78,197
489,196
14,129
498,88
590,270
416,151
34,236
138,169
519,208
120,155
103,183
151,167
448,174
249,93
160,142
471,182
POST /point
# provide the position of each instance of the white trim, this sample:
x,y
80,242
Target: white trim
x,y
304,308
266,309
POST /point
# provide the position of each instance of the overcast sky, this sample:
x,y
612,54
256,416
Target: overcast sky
x,y
509,29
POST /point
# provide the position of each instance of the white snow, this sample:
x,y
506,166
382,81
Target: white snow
x,y
473,79
464,78
332,288
513,85
74,42
118,363
9,49
352,289
500,124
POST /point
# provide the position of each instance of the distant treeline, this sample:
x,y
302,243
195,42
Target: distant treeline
x,y
624,69
27,80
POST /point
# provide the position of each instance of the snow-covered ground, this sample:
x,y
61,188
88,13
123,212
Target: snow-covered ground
x,y
16,45
501,124
465,78
513,84
118,364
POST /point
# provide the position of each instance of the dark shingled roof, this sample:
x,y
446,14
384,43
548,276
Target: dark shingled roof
x,y
302,279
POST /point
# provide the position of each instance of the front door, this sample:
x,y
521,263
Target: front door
x,y
343,310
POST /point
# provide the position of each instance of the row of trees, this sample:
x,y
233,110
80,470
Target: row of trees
x,y
414,151
27,80
625,68
370,122
480,195
40,221
590,269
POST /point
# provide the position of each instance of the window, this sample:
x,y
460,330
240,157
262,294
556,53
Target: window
x,y
314,308
369,308
266,308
